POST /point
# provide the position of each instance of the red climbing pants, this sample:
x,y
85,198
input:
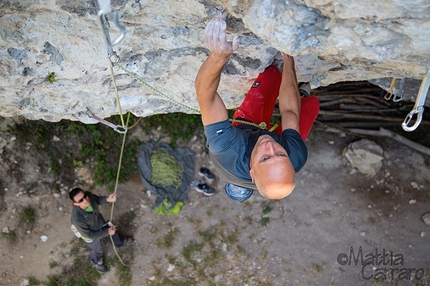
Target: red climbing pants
x,y
261,98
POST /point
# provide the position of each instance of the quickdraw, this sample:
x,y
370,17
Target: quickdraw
x,y
399,94
105,9
390,91
117,128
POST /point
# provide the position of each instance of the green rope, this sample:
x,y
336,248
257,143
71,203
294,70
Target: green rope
x,y
156,90
166,170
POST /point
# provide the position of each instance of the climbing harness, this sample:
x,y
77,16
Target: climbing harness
x,y
419,103
105,122
105,9
262,125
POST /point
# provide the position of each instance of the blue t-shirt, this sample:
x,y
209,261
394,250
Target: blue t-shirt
x,y
230,149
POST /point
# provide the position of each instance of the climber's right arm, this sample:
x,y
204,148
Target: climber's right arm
x,y
212,107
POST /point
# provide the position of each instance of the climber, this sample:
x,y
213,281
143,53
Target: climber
x,y
246,156
91,225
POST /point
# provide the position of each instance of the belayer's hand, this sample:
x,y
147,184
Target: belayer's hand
x,y
111,198
111,231
216,38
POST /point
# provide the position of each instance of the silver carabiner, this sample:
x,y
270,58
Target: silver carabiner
x,y
104,9
419,103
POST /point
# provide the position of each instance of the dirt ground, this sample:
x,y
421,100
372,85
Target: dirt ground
x,y
309,238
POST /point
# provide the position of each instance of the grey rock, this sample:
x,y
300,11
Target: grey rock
x,y
366,156
426,218
164,46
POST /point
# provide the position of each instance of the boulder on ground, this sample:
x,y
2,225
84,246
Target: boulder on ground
x,y
366,156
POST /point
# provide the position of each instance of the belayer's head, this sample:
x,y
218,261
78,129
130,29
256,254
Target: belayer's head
x,y
79,198
271,169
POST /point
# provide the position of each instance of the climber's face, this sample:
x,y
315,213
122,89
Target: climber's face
x,y
271,169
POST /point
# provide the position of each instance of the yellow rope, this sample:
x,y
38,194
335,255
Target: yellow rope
x,y
121,153
134,125
115,189
116,92
393,81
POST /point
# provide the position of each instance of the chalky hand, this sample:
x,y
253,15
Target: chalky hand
x,y
216,38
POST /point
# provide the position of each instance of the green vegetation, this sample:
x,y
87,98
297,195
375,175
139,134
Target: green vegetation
x,y
11,237
77,143
80,273
180,127
265,220
122,271
52,77
53,264
33,281
124,274
54,280
27,217
166,241
200,258
266,209
316,267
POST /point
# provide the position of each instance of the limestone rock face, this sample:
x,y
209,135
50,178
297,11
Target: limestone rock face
x,y
164,46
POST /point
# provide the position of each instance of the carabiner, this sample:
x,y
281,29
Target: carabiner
x,y
107,123
400,93
419,111
419,103
104,9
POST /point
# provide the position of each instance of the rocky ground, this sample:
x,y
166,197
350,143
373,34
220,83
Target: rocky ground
x,y
312,237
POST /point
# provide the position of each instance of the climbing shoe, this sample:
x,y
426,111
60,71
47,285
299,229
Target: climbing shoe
x,y
207,174
202,187
128,240
304,89
101,268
